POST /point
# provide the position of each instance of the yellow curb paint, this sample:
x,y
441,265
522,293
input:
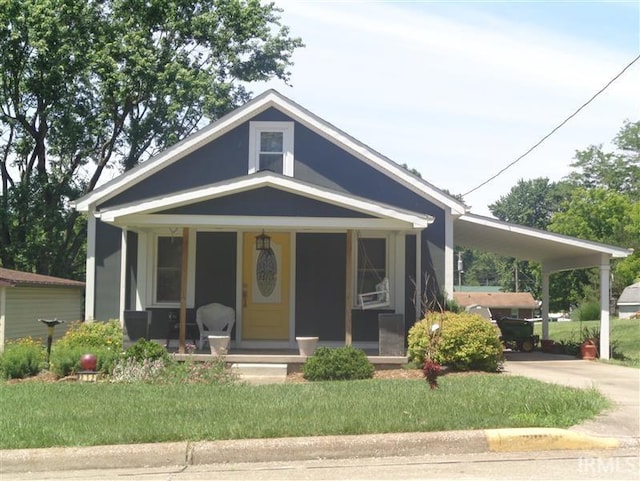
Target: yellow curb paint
x,y
544,439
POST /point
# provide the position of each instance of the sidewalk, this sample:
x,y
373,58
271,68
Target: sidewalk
x,y
618,427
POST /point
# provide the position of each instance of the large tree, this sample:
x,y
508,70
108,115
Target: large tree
x,y
93,85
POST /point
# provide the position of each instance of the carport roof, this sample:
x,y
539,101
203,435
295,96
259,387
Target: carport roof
x,y
555,251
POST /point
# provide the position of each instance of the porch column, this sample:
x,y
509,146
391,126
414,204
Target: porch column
x,y
123,275
183,289
418,294
605,270
90,290
545,302
348,327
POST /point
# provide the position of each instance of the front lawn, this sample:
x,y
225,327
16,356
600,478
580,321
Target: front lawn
x,y
36,414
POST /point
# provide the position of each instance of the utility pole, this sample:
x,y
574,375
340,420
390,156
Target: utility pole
x,y
460,271
516,267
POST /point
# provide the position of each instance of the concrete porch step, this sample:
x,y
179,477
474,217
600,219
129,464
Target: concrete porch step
x,y
258,373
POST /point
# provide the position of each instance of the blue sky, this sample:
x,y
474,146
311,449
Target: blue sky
x,y
458,90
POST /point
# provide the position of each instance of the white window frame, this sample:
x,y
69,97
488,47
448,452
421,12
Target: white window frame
x,y
152,249
255,129
389,267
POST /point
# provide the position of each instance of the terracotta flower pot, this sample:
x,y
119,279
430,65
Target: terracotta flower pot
x,y
589,350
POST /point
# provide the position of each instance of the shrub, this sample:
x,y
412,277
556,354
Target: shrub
x,y
344,363
144,349
93,334
421,341
104,339
22,358
463,342
65,360
587,311
190,372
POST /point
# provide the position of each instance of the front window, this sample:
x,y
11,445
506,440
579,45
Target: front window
x,y
168,269
372,276
271,147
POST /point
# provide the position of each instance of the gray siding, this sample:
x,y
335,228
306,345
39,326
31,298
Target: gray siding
x,y
320,285
216,268
107,293
224,158
265,201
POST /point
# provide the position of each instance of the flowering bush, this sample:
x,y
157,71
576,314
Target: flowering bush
x,y
22,358
129,370
96,334
104,339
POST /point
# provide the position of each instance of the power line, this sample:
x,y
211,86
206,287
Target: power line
x,y
557,127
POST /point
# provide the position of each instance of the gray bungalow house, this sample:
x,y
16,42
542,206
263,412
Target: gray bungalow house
x,y
297,226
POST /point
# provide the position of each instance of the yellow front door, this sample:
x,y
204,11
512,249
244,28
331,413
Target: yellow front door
x,y
266,288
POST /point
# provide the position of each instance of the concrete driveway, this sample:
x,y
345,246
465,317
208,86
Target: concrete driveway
x,y
620,384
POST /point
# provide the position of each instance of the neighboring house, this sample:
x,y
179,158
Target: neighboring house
x,y
629,301
27,297
502,304
342,220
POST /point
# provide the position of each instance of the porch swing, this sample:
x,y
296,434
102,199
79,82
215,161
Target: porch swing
x,y
380,296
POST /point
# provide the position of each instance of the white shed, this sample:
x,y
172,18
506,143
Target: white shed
x,y
27,297
629,301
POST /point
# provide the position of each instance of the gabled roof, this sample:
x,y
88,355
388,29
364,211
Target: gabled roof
x,y
556,251
630,295
519,300
13,278
269,99
259,180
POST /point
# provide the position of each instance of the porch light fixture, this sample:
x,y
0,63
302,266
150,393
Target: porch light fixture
x,y
263,242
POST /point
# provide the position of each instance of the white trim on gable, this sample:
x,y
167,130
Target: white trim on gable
x,y
268,99
267,179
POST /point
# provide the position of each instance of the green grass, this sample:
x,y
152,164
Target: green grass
x,y
81,414
625,333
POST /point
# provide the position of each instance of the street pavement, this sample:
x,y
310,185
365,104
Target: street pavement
x,y
617,428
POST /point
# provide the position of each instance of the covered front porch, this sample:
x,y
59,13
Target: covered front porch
x,y
326,265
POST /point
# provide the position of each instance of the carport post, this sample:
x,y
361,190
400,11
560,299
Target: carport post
x,y
545,303
605,270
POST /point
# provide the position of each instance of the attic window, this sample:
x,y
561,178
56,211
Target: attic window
x,y
271,147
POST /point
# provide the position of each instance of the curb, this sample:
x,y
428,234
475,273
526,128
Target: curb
x,y
298,449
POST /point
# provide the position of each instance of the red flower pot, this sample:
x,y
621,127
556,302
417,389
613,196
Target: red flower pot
x,y
589,350
88,362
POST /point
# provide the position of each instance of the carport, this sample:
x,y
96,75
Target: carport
x,y
554,252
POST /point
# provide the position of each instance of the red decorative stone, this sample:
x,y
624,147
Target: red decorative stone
x,y
88,362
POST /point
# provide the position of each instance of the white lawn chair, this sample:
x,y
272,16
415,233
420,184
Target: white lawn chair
x,y
214,320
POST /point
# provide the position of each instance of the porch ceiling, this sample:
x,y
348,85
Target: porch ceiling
x,y
554,251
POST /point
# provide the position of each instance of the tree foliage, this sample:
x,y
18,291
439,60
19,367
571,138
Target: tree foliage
x,y
530,202
598,201
89,86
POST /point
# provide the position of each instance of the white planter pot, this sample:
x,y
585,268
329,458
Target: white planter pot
x,y
219,345
307,345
